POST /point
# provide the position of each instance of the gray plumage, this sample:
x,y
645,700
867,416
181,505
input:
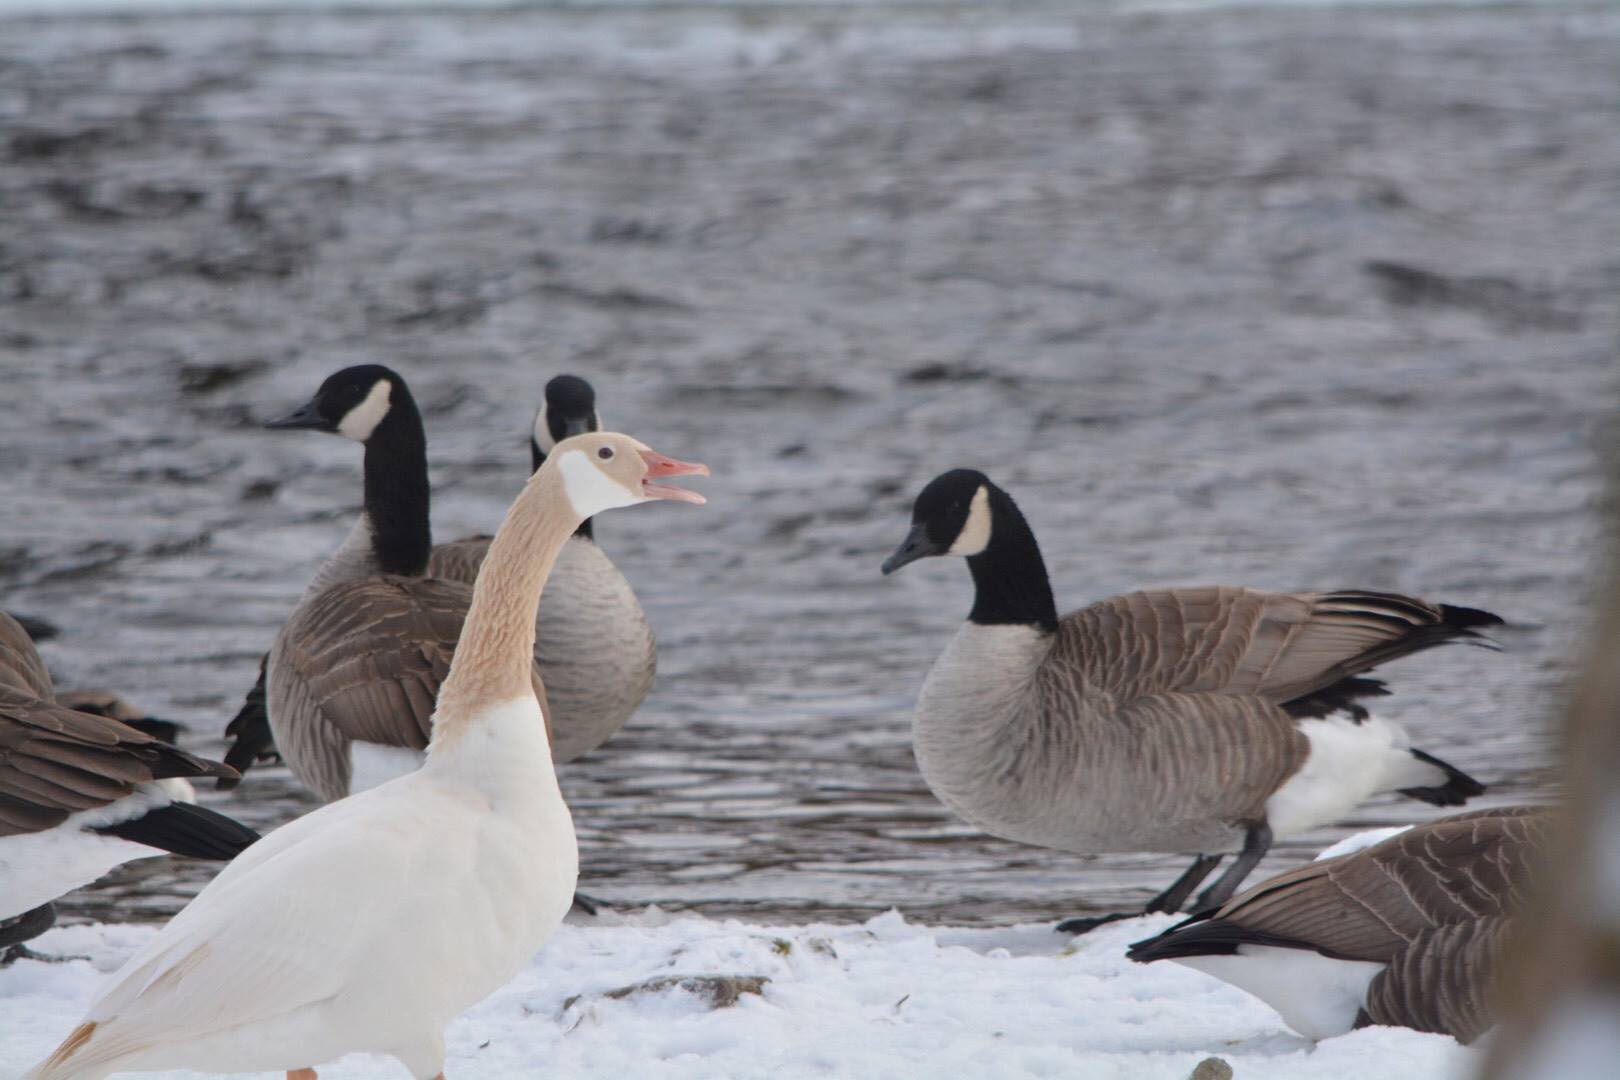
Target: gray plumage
x,y
1428,909
592,642
1153,721
1177,720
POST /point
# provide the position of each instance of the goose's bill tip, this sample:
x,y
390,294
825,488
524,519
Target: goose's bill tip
x,y
915,546
305,416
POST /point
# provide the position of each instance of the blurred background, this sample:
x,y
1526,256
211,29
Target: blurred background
x,y
1291,296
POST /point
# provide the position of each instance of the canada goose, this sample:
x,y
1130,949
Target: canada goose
x,y
1176,720
81,794
1407,932
370,923
594,648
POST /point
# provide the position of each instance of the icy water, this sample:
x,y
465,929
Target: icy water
x,y
1290,299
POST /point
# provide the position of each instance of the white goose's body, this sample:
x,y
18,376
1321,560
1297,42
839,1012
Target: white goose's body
x,y
366,925
370,923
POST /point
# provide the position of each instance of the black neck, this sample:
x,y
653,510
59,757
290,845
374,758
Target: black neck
x,y
397,489
1009,576
537,458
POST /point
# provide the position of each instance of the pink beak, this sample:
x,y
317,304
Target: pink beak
x,y
659,465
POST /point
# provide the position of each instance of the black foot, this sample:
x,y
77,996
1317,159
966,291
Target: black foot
x,y
30,924
587,905
1091,922
12,953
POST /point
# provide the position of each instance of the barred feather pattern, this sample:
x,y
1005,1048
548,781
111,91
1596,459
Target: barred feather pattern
x,y
592,642
1434,903
362,661
1152,721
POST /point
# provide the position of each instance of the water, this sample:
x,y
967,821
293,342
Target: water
x,y
1304,299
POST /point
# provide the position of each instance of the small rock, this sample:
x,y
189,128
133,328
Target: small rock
x,y
1211,1068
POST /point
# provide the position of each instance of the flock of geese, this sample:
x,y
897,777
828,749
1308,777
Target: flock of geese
x,y
427,692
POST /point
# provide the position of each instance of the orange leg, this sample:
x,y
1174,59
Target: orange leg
x,y
301,1074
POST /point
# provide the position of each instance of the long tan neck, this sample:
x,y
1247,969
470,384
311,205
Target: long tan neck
x,y
494,659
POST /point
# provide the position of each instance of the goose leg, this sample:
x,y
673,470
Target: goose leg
x,y
1256,842
300,1074
30,924
1176,895
1169,900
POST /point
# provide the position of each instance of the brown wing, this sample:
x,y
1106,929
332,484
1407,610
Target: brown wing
x,y
1281,646
55,761
458,560
1441,980
1372,904
20,663
371,655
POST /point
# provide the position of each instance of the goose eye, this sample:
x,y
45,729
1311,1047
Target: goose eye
x,y
605,452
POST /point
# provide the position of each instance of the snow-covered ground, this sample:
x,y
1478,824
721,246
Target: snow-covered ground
x,y
886,998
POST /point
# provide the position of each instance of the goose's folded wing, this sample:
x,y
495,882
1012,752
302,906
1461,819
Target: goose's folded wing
x,y
370,655
1441,980
20,663
1371,904
1281,646
285,925
1196,757
458,560
55,761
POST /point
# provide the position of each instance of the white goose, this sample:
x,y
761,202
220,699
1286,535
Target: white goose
x,y
370,923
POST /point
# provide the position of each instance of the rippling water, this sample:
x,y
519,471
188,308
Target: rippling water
x,y
1285,299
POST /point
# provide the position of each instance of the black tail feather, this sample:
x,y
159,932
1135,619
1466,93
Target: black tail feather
x,y
1458,788
250,730
30,924
1338,697
1203,935
186,829
1466,618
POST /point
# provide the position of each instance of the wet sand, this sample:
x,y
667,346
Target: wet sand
x,y
1283,298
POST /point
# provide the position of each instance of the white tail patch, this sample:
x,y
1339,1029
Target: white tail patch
x,y
1315,995
1348,762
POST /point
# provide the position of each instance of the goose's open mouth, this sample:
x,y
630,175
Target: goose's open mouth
x,y
659,466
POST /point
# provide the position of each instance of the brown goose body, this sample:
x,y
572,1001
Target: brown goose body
x,y
1407,932
81,794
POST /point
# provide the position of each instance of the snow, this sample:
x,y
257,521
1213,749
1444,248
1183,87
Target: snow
x,y
886,998
1356,841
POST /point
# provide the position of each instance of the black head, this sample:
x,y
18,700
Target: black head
x,y
351,403
570,409
950,517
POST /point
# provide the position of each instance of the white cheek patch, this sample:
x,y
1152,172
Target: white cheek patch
x,y
975,534
359,422
591,490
